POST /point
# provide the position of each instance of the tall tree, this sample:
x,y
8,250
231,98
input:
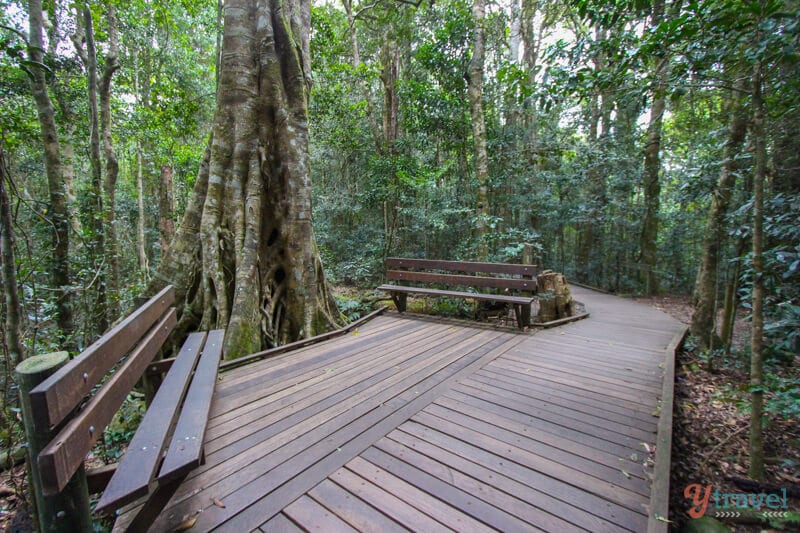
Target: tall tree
x,y
55,173
112,164
245,256
97,246
362,81
475,92
757,339
703,325
648,242
9,273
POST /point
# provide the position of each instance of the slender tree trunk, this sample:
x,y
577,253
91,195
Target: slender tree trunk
x,y
648,242
97,246
362,82
390,57
757,340
731,295
166,207
112,165
68,159
245,256
141,245
532,38
703,324
475,91
55,177
10,290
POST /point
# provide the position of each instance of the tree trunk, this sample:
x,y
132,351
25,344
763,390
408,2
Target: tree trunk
x,y
757,339
166,207
362,82
245,256
141,245
112,165
731,296
703,325
475,91
97,245
390,57
68,158
648,243
10,290
55,178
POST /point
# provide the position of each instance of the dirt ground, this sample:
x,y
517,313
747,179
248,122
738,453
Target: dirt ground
x,y
711,424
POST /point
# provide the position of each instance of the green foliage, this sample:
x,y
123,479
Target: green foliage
x,y
352,308
120,430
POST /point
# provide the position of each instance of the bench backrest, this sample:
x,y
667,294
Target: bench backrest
x,y
517,277
54,401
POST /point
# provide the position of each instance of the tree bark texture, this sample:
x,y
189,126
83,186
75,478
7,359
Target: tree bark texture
x,y
703,325
53,168
245,256
757,339
475,92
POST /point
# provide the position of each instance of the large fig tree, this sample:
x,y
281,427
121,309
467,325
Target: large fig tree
x,y
244,257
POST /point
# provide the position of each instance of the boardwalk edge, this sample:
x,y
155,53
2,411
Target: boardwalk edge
x,y
658,514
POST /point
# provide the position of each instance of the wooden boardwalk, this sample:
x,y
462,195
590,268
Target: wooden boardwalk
x,y
425,425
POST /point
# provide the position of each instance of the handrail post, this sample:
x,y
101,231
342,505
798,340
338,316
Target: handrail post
x,y
67,511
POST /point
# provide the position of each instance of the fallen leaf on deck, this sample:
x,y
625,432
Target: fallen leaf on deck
x,y
218,503
624,473
187,524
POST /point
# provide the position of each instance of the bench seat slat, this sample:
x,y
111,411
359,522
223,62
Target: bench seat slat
x,y
186,447
138,466
463,280
520,300
65,453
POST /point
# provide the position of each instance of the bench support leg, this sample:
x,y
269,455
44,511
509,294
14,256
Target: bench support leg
x,y
153,506
526,315
519,312
400,299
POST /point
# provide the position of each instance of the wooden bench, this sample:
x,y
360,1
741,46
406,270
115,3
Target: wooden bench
x,y
520,278
169,441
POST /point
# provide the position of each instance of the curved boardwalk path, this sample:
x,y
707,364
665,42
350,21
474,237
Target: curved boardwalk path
x,y
430,425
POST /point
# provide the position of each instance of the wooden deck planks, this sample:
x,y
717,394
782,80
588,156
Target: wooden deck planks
x,y
430,425
352,509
